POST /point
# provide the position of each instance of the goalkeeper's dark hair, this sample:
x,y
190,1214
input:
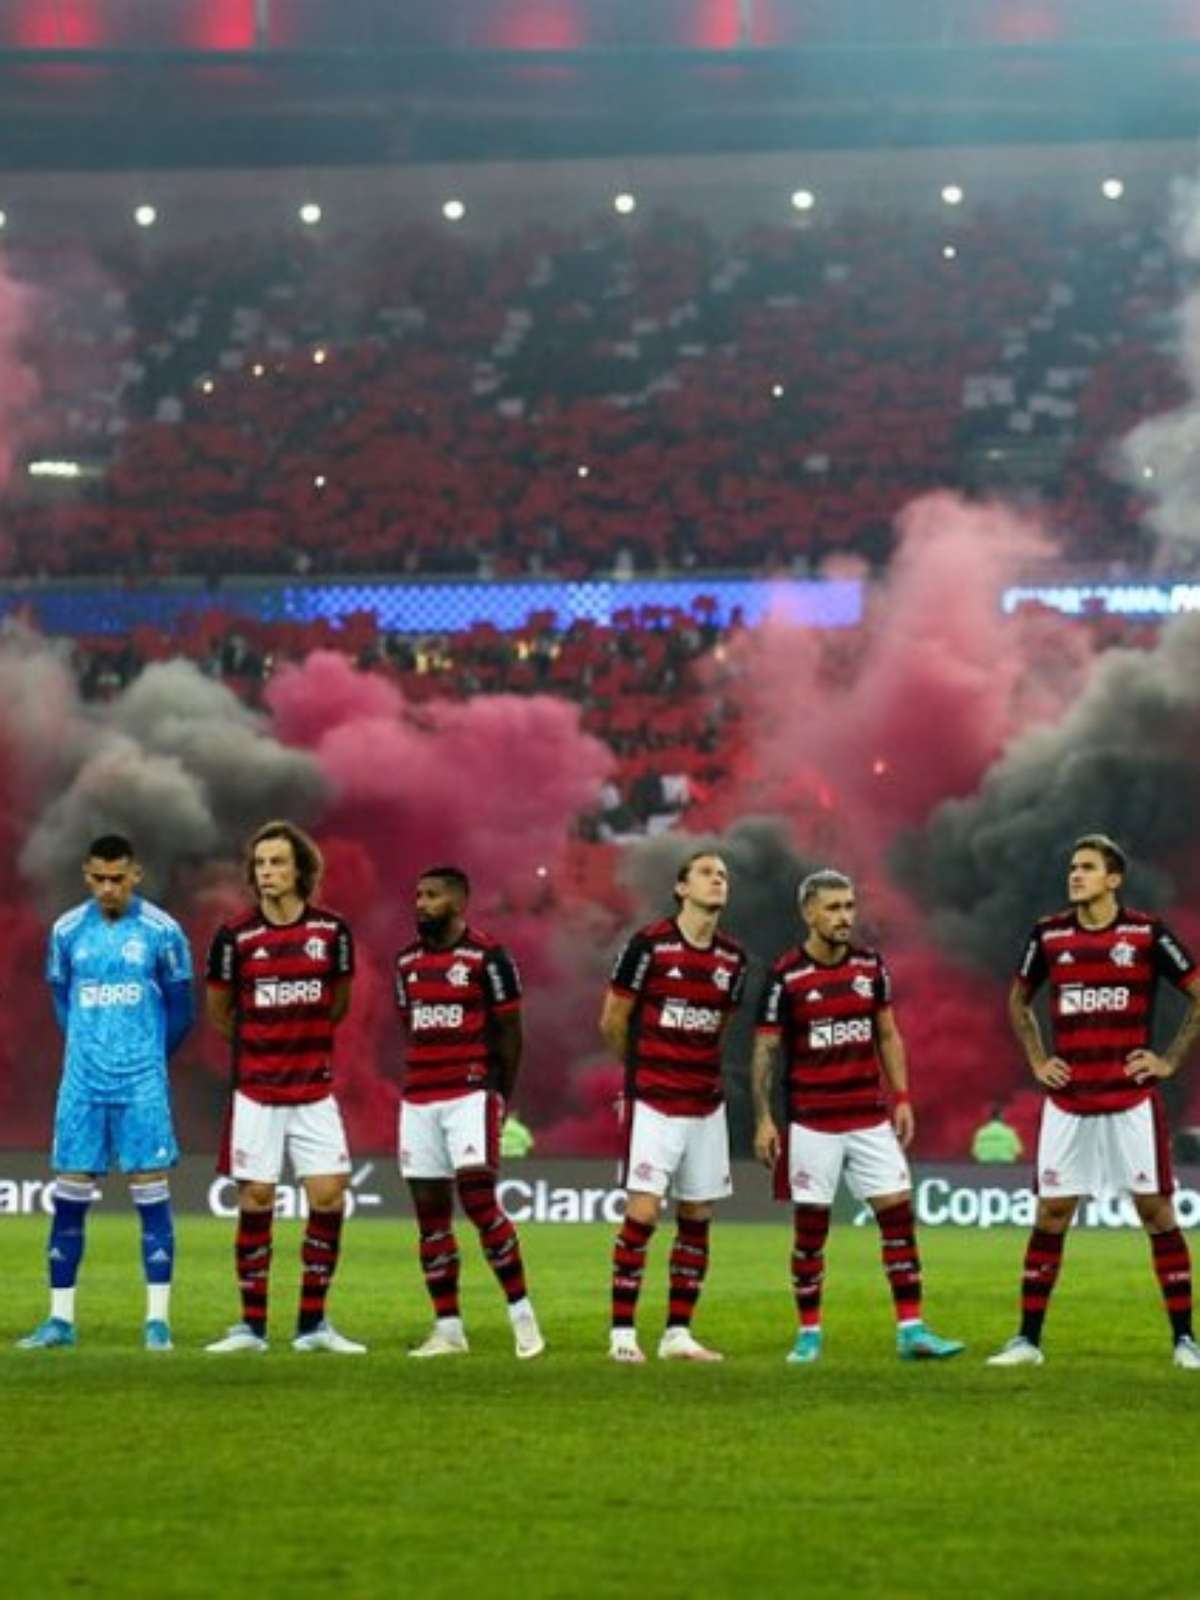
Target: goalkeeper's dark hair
x,y
110,847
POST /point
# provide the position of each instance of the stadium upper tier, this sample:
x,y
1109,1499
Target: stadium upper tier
x,y
624,396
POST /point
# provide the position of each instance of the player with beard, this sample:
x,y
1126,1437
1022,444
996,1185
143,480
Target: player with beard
x,y
279,981
675,986
828,1009
1103,1128
459,998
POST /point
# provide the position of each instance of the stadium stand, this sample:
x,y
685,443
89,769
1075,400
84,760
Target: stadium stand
x,y
570,401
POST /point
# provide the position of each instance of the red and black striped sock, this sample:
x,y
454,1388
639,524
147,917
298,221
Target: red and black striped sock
x,y
901,1259
252,1253
319,1259
628,1269
1173,1269
440,1260
810,1229
497,1235
1043,1262
688,1265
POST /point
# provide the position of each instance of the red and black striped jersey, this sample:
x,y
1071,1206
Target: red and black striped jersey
x,y
1102,983
683,996
826,1018
448,1001
283,978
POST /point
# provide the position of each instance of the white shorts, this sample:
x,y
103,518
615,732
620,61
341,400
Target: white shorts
x,y
870,1158
442,1137
259,1136
1118,1152
688,1156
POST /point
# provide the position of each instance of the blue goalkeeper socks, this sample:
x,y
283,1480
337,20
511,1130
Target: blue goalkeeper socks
x,y
65,1251
153,1202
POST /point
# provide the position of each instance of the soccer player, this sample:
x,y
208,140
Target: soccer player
x,y
120,973
675,986
278,985
828,1009
1103,1129
459,998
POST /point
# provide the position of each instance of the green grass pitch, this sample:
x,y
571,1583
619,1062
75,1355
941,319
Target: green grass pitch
x,y
280,1475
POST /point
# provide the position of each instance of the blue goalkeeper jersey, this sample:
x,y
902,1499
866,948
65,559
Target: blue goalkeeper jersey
x,y
116,985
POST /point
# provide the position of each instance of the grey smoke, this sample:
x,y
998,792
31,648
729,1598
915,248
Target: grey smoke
x,y
176,761
1123,760
1160,457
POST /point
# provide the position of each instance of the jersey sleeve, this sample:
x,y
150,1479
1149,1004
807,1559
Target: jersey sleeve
x,y
1031,970
883,985
632,967
501,980
343,952
1172,959
737,989
222,959
174,957
58,959
770,1005
400,990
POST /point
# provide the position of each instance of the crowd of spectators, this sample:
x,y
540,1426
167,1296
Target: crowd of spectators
x,y
659,686
630,396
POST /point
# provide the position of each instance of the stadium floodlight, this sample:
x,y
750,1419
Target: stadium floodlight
x,y
454,211
952,194
625,203
145,216
950,252
310,213
55,469
1112,188
320,356
583,471
208,386
258,369
777,391
803,199
319,481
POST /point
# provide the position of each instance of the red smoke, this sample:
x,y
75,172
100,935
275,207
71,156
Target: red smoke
x,y
492,785
853,738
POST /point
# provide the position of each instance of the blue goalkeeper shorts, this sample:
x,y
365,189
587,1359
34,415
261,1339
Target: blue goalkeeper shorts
x,y
92,1136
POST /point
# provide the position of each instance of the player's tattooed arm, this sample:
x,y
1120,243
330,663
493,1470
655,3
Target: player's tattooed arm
x,y
894,1060
1048,1070
1143,1066
218,1006
510,1041
614,1022
762,1081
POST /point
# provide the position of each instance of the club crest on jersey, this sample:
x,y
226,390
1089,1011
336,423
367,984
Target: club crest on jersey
x,y
863,987
459,974
134,951
1123,953
722,977
315,949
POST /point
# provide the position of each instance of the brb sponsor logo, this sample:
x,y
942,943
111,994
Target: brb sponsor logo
x,y
690,1019
1075,999
426,1016
270,992
830,1035
92,995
